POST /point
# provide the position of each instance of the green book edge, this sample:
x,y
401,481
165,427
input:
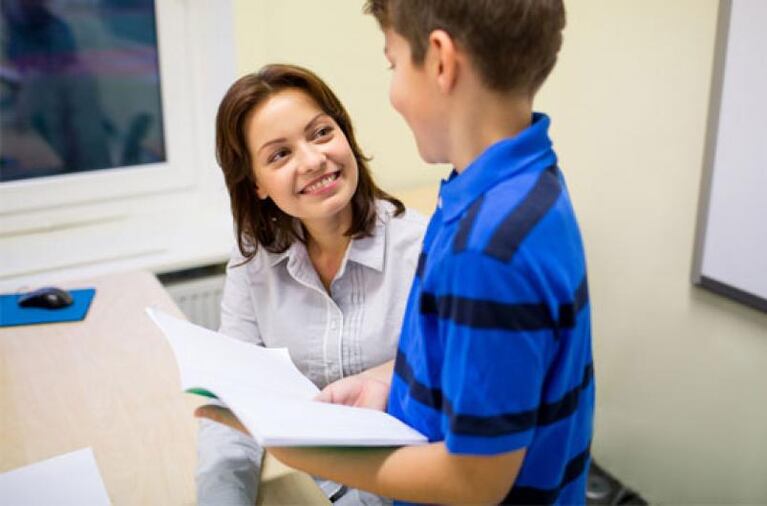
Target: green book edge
x,y
202,392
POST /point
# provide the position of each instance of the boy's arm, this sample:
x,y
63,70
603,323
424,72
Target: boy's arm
x,y
425,474
422,474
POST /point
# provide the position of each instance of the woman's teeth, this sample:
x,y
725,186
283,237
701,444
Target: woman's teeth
x,y
322,183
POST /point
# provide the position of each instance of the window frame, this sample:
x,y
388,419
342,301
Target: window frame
x,y
187,69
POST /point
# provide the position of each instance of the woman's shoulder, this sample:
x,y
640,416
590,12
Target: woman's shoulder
x,y
402,237
239,263
410,219
405,231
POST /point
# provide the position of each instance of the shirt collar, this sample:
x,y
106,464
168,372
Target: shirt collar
x,y
370,251
367,251
292,251
498,162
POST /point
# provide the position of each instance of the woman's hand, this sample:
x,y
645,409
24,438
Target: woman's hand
x,y
359,390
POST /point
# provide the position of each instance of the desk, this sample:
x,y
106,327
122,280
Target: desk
x,y
110,383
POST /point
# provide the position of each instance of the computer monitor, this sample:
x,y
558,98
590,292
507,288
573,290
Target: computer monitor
x,y
95,102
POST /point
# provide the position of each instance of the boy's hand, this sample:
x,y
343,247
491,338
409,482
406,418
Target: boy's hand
x,y
220,415
359,390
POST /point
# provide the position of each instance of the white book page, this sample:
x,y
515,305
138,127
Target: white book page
x,y
210,360
288,422
69,479
270,396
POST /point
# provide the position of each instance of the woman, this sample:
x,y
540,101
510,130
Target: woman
x,y
324,257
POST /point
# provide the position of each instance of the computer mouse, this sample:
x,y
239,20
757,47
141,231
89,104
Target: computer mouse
x,y
48,297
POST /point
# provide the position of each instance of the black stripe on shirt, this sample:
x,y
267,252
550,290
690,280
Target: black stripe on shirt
x,y
523,218
421,265
498,425
490,426
511,423
431,397
485,314
569,312
581,295
533,495
465,226
553,412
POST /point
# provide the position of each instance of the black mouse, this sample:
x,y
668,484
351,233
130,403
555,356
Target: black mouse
x,y
48,297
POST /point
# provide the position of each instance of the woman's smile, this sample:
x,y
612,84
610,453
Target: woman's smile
x,y
322,184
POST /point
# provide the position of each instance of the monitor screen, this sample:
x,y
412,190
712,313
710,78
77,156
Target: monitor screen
x,y
80,87
99,104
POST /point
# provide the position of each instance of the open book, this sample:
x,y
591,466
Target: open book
x,y
269,395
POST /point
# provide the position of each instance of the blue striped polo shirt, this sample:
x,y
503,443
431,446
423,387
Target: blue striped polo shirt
x,y
495,350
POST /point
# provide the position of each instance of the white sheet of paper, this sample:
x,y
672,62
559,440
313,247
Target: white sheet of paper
x,y
69,479
269,394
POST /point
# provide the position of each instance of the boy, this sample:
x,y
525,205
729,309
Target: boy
x,y
494,362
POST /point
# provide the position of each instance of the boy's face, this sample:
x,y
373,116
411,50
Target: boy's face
x,y
415,96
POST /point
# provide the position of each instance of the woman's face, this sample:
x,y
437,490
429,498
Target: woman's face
x,y
300,157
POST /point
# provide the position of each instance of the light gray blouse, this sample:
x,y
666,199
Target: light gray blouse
x,y
278,300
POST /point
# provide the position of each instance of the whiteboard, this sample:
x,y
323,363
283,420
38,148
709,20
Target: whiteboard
x,y
731,245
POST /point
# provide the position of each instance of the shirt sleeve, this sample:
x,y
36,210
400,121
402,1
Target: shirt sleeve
x,y
228,466
238,318
495,324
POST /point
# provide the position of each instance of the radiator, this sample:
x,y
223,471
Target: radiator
x,y
197,292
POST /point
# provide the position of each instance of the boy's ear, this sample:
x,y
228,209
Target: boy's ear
x,y
444,57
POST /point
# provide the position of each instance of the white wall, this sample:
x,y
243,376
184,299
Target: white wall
x,y
682,374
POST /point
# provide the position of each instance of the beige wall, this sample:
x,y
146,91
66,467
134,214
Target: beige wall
x,y
682,374
333,38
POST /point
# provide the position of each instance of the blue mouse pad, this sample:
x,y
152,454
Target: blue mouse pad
x,y
12,314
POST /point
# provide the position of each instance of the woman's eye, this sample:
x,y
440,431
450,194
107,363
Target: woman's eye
x,y
277,155
323,131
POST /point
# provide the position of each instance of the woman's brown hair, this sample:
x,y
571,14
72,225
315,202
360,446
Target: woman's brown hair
x,y
260,222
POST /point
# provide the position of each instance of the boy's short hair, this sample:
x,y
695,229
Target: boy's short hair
x,y
512,43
